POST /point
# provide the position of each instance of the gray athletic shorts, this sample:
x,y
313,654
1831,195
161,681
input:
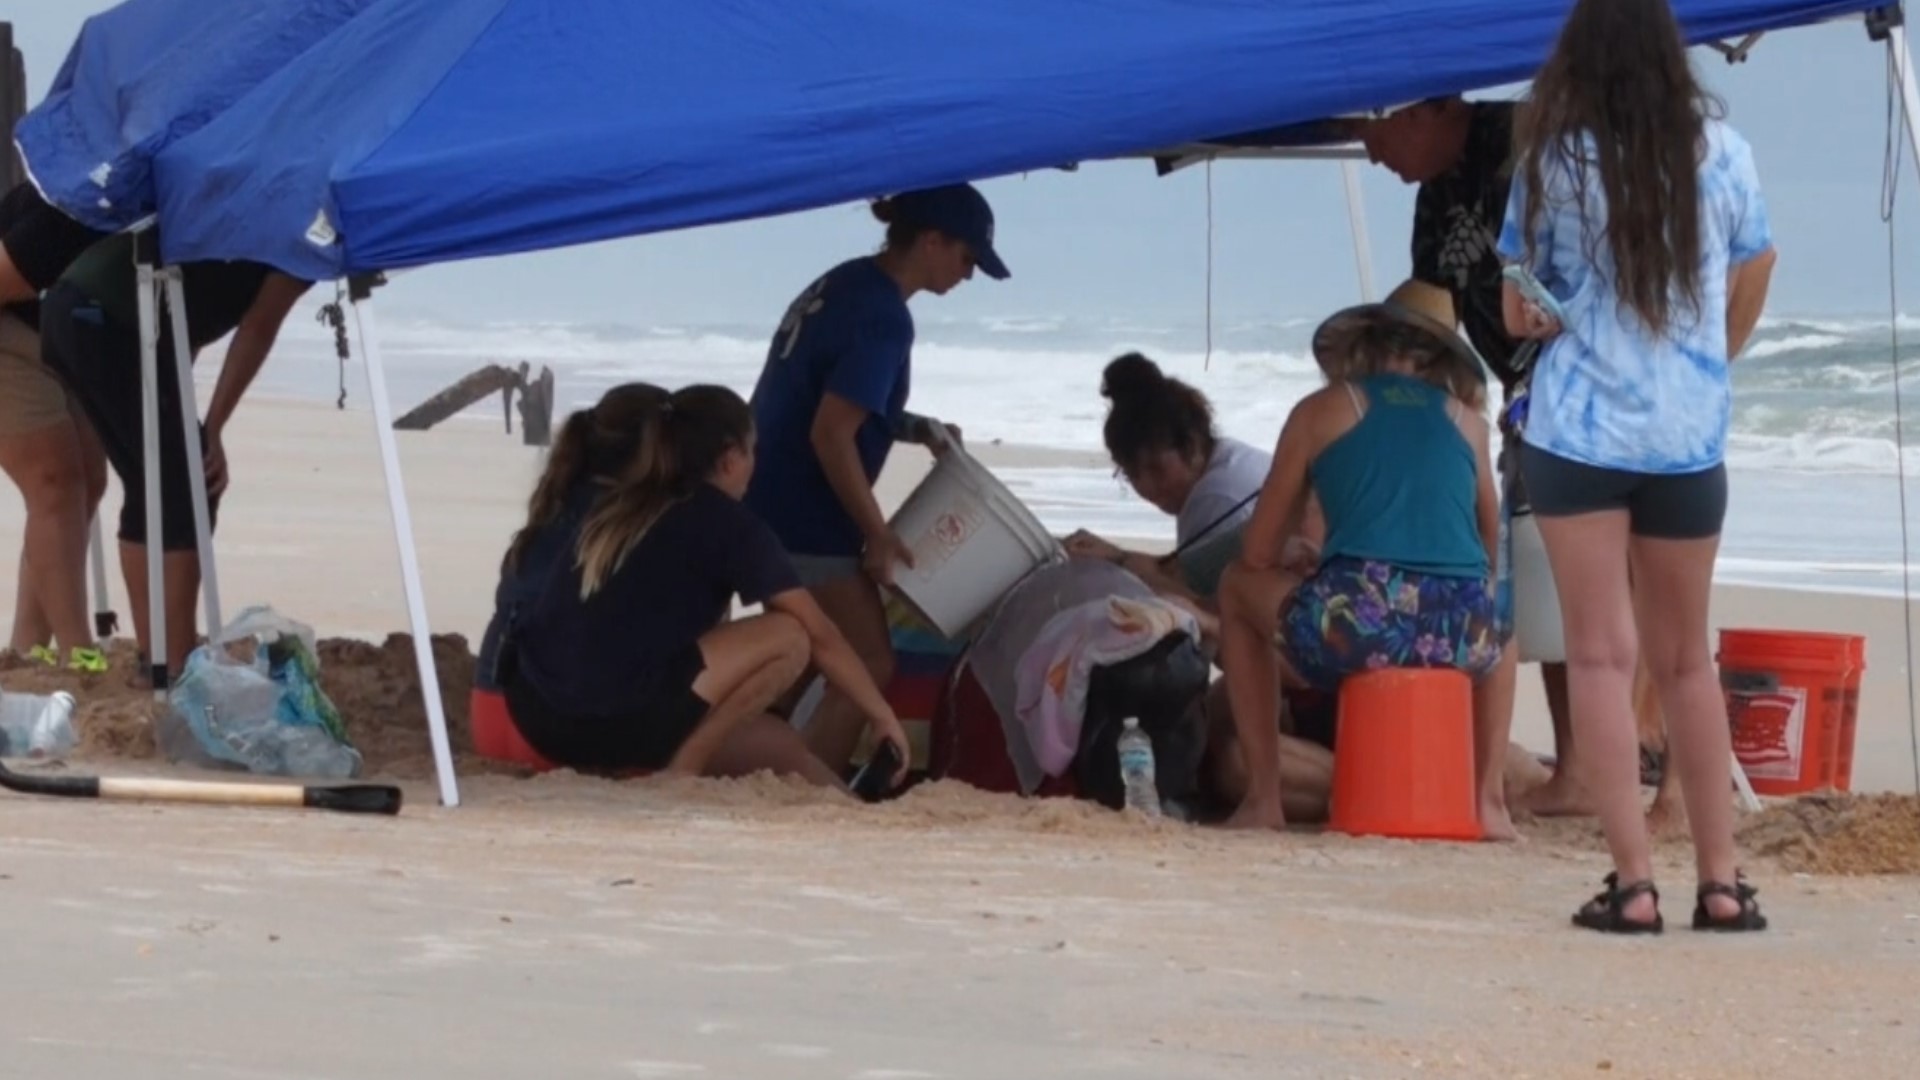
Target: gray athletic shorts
x,y
817,570
1681,506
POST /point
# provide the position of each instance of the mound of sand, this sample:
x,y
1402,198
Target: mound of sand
x,y
1833,833
375,688
378,694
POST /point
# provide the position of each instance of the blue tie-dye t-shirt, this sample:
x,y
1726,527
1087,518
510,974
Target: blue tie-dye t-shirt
x,y
1606,390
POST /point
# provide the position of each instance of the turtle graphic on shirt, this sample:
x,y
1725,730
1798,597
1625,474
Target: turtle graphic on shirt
x,y
807,303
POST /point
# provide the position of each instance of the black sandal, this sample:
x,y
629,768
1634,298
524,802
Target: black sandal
x,y
1747,919
1606,912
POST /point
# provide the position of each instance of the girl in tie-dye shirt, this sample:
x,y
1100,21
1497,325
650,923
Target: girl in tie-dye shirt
x,y
1640,212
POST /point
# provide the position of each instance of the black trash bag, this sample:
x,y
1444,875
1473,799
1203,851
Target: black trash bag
x,y
1159,687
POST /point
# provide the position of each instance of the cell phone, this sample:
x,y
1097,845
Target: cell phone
x,y
1534,292
875,778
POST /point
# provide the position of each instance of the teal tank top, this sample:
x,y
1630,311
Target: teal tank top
x,y
1400,487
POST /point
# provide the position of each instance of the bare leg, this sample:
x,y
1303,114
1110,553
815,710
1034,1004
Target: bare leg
x,y
13,287
1665,814
1306,768
748,664
1588,553
182,569
1492,728
1562,795
766,743
30,626
1680,574
1250,603
853,603
48,467
1524,772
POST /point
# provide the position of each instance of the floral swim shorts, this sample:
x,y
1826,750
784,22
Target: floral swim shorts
x,y
1355,615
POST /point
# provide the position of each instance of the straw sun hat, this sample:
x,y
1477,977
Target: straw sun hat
x,y
1340,345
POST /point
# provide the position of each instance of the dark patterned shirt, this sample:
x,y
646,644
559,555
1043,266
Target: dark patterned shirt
x,y
1456,223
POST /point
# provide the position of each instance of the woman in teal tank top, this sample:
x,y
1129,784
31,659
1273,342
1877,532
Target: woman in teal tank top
x,y
1396,450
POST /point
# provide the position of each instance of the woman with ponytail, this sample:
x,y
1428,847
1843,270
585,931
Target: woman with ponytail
x,y
593,449
830,404
625,660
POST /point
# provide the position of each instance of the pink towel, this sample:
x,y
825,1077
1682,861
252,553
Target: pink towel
x,y
1053,673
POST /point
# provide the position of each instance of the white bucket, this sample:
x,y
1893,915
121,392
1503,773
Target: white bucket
x,y
971,539
1536,602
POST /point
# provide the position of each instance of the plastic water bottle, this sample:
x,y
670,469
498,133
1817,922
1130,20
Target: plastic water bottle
x,y
1136,769
36,725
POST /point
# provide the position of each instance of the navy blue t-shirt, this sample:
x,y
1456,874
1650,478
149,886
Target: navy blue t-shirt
x,y
848,334
521,584
637,636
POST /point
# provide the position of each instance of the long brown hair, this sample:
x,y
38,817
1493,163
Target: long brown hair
x,y
1620,77
596,443
691,430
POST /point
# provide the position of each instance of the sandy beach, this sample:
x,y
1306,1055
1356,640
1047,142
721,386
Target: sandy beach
x,y
573,927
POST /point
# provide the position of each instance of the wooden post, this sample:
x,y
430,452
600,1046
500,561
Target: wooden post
x,y
536,410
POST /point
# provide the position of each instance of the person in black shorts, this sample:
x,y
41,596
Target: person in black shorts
x,y
90,338
37,243
625,661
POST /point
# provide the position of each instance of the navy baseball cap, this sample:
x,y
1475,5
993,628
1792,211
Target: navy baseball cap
x,y
960,211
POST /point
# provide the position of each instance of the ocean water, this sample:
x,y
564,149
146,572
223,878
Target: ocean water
x,y
1815,467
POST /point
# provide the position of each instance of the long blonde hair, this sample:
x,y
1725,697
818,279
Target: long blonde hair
x,y
597,443
690,431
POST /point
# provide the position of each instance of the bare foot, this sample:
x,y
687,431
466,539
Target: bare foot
x,y
1496,825
1257,815
1559,797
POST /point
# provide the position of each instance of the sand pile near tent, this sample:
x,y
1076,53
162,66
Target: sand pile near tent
x,y
1839,834
374,686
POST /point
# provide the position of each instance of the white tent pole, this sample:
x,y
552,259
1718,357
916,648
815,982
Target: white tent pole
x,y
363,318
150,435
190,430
1909,90
1357,219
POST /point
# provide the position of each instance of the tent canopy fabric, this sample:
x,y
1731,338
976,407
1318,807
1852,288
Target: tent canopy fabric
x,y
148,72
423,131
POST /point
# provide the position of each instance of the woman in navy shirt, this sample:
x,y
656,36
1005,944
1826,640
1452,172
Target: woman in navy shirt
x,y
625,660
593,450
830,404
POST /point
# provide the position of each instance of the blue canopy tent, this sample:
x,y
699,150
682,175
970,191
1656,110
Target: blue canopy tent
x,y
426,131
434,130
146,73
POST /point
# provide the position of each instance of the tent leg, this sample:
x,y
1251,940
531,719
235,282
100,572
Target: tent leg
x,y
150,436
403,534
190,428
1357,219
1897,48
105,622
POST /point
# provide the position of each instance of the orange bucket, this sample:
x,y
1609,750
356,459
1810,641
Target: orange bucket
x,y
494,733
1403,756
1786,695
1850,720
